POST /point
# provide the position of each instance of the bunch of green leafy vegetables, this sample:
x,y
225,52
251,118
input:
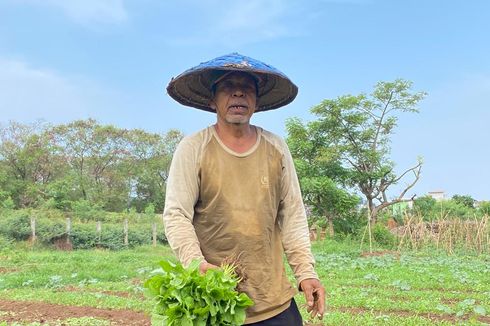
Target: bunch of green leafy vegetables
x,y
186,297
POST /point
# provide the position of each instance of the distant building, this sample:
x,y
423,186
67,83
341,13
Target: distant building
x,y
398,209
438,195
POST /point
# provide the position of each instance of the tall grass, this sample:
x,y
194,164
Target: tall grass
x,y
446,233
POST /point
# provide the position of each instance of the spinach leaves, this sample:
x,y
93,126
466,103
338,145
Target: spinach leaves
x,y
184,296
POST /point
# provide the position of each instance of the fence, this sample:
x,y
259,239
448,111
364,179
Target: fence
x,y
98,229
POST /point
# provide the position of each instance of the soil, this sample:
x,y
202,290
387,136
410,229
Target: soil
x,y
405,313
26,311
63,243
5,270
121,294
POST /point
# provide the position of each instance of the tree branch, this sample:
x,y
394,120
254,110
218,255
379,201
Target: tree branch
x,y
400,197
419,164
380,124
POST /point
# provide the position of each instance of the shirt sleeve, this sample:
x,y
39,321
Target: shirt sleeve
x,y
294,225
181,196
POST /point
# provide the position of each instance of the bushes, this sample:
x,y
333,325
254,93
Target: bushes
x,y
82,235
383,236
15,227
49,230
86,211
5,243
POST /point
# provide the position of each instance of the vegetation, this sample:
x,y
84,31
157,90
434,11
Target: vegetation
x,y
83,164
459,206
184,296
355,130
383,288
321,176
51,229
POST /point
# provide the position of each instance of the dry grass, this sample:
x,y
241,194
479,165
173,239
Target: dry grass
x,y
446,233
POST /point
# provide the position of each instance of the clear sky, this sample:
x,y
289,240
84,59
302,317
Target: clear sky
x,y
62,60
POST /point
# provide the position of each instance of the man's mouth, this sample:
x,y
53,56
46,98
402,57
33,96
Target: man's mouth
x,y
238,107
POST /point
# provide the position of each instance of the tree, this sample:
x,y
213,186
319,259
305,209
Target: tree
x,y
426,207
150,163
84,162
319,172
484,208
359,127
27,162
464,200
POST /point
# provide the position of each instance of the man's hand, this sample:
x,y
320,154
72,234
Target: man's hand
x,y
204,266
315,296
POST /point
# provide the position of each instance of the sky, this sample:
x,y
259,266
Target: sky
x,y
63,60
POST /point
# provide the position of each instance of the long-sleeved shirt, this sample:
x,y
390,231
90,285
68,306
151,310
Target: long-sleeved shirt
x,y
222,204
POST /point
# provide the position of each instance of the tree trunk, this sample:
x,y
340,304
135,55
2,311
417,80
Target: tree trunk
x,y
373,212
331,231
369,225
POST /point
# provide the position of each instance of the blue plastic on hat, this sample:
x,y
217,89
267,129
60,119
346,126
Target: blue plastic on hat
x,y
193,87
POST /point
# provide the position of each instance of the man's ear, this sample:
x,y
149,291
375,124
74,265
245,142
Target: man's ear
x,y
212,105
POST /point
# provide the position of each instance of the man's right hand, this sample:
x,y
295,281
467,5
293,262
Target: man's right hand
x,y
204,266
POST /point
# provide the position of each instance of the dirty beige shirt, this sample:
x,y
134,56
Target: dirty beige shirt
x,y
220,203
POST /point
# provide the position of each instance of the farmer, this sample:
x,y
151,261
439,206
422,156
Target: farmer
x,y
232,189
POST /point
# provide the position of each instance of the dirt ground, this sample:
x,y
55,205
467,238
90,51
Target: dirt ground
x,y
25,311
404,313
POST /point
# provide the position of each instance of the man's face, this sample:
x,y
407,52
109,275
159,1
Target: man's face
x,y
235,98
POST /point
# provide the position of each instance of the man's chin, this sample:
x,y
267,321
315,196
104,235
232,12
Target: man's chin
x,y
238,120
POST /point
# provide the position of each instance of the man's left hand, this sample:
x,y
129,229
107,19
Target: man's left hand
x,y
315,296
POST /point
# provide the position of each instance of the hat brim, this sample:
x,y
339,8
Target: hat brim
x,y
194,87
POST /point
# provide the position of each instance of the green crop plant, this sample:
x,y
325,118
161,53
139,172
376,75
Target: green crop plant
x,y
186,297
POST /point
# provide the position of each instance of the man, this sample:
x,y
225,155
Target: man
x,y
232,189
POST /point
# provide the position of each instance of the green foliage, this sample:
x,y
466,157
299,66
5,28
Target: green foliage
x,y
425,206
55,167
83,235
86,211
184,296
15,227
150,209
457,207
407,288
357,128
8,203
464,200
383,236
62,192
484,208
465,307
320,173
351,222
48,230
5,243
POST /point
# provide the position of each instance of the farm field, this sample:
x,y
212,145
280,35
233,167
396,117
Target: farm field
x,y
99,287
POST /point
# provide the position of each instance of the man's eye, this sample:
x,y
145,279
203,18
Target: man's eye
x,y
225,86
229,87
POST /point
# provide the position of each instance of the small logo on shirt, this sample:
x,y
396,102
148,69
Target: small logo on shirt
x,y
264,182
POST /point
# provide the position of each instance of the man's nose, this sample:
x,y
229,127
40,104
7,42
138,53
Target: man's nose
x,y
238,92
